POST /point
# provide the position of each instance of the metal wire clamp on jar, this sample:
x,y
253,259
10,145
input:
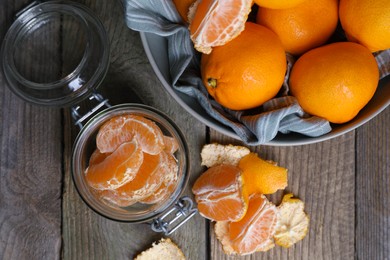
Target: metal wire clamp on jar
x,y
39,31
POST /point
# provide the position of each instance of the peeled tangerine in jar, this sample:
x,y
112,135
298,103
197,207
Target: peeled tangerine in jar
x,y
133,162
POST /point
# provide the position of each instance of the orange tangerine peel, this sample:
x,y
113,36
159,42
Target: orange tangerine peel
x,y
293,222
262,176
214,154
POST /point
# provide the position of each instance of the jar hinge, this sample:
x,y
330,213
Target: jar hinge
x,y
182,211
79,118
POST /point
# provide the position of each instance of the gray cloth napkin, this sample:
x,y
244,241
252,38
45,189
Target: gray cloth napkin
x,y
257,126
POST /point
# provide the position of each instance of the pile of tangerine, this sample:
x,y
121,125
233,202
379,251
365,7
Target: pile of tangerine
x,y
133,162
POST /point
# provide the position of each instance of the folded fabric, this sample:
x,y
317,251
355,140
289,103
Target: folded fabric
x,y
257,126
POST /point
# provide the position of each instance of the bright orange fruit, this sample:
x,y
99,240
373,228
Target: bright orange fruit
x,y
254,232
170,144
302,27
335,81
115,169
217,22
183,7
168,185
97,157
278,4
124,128
247,71
367,22
219,194
147,180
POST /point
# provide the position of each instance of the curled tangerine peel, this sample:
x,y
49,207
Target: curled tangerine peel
x,y
219,193
261,176
124,128
117,168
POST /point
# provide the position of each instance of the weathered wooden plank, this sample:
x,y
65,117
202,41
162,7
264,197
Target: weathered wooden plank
x,y
30,167
86,235
322,175
373,188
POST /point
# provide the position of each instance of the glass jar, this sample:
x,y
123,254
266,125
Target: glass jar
x,y
67,70
85,145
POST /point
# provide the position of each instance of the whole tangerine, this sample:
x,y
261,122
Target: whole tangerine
x,y
303,27
367,22
247,71
335,81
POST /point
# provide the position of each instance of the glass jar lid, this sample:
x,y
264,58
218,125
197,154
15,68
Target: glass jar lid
x,y
55,53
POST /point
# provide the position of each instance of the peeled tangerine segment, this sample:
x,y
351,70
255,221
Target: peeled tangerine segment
x,y
115,169
219,193
293,221
216,22
170,144
125,128
146,181
252,233
168,185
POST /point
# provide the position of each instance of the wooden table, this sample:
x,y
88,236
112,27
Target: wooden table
x,y
344,182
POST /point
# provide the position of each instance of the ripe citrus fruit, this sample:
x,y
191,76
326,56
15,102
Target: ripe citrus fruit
x,y
293,223
252,233
97,157
303,27
116,169
168,185
367,22
262,176
124,128
183,7
216,22
170,144
219,194
147,180
247,71
278,4
335,81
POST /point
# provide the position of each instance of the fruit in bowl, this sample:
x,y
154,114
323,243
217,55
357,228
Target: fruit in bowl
x,y
187,87
246,68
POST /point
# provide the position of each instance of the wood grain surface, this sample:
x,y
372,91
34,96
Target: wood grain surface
x,y
344,182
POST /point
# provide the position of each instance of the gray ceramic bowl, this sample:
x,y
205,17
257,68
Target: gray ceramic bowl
x,y
156,49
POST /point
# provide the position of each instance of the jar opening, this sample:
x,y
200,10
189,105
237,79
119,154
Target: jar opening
x,y
50,42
